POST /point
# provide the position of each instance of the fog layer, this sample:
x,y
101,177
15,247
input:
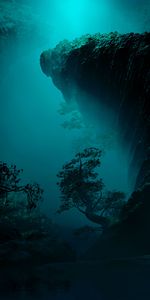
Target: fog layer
x,y
30,126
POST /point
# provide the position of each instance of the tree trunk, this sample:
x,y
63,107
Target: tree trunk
x,y
103,221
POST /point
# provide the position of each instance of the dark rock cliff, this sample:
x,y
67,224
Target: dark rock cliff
x,y
115,70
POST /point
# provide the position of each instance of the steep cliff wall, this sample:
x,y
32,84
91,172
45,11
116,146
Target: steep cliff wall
x,y
114,69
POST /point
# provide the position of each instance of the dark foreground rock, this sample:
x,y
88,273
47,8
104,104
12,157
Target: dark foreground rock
x,y
30,246
129,237
21,252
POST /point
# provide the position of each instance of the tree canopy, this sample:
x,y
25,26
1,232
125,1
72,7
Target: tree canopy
x,y
10,182
83,189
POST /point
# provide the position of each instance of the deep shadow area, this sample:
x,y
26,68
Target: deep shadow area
x,y
121,279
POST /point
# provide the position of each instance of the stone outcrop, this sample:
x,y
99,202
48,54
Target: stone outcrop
x,y
114,69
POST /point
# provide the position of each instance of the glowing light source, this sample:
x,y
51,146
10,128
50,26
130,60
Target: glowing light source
x,y
75,8
74,13
82,16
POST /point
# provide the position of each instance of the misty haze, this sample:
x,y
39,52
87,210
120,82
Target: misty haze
x,y
42,131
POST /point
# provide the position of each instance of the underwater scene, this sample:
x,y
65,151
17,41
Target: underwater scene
x,y
74,149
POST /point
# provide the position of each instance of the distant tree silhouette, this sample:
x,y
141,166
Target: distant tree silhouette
x,y
10,182
81,188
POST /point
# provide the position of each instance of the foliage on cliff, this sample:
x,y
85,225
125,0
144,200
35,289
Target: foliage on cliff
x,y
81,188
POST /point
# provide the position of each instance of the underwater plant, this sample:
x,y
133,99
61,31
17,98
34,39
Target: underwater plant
x,y
81,188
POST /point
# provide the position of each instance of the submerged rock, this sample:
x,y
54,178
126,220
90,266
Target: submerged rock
x,y
114,70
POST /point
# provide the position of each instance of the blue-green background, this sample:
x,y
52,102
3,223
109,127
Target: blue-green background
x,y
30,126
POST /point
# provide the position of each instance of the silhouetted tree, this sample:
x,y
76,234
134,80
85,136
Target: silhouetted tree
x,y
10,182
81,188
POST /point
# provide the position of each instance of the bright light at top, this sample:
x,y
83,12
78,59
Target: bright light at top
x,y
74,13
75,8
69,19
76,17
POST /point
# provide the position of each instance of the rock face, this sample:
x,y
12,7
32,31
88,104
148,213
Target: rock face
x,y
114,69
130,237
